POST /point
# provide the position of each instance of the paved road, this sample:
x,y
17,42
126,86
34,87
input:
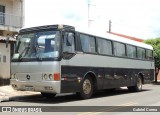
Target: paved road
x,y
107,101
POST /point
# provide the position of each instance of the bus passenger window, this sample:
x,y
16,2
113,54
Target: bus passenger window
x,y
88,43
92,45
140,53
149,54
84,42
131,51
119,49
104,46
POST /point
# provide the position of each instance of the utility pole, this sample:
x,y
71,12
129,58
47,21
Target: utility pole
x,y
88,17
110,24
89,20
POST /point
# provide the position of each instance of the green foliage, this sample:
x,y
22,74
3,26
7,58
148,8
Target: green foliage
x,y
155,43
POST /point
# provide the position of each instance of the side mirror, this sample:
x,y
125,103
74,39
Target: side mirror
x,y
69,39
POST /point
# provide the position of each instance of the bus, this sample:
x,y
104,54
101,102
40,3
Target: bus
x,y
56,59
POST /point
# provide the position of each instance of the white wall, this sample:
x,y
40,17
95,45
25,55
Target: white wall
x,y
4,67
17,7
12,6
8,6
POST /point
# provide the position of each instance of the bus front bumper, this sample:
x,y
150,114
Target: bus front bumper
x,y
37,86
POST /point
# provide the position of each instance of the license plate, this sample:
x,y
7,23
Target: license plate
x,y
29,88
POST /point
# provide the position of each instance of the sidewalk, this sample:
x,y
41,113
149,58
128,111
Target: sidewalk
x,y
7,93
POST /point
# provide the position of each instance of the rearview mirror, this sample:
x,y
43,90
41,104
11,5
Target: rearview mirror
x,y
69,39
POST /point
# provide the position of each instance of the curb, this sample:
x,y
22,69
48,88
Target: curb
x,y
4,99
19,97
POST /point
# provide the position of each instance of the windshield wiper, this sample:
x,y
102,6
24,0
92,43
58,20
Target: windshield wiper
x,y
24,51
39,57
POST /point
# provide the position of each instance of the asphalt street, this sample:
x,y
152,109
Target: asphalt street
x,y
114,102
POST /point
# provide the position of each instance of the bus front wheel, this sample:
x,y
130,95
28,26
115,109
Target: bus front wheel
x,y
138,86
86,89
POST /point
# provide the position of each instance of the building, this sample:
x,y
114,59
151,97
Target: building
x,y
5,57
11,18
126,36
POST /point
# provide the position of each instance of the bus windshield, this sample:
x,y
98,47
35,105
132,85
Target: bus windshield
x,y
39,45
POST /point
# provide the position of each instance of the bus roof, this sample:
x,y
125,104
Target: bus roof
x,y
121,39
104,35
128,41
45,27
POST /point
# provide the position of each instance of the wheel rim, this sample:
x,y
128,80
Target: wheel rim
x,y
139,83
87,86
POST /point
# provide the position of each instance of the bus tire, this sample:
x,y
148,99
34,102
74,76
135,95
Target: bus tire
x,y
48,95
138,86
86,88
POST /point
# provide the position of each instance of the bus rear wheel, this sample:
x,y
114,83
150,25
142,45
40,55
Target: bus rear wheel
x,y
48,95
137,87
86,89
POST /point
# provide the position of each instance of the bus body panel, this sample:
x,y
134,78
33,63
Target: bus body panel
x,y
31,74
111,72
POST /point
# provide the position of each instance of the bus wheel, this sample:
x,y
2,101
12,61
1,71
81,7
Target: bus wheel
x,y
86,89
48,95
137,87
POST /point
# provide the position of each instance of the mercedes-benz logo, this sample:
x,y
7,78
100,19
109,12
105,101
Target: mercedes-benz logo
x,y
28,77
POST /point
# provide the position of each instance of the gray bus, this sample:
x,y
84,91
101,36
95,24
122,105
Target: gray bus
x,y
57,59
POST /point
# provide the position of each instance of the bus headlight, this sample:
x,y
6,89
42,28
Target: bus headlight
x,y
45,76
50,76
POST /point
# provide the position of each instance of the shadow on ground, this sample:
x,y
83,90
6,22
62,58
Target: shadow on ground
x,y
156,83
72,97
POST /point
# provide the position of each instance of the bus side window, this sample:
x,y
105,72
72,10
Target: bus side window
x,y
88,43
68,42
149,54
141,53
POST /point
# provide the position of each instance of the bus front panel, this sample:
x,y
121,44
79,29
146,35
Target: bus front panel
x,y
36,76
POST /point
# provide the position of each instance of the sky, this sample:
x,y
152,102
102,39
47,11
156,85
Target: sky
x,y
137,18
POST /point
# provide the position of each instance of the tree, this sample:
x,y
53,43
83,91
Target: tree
x,y
155,43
